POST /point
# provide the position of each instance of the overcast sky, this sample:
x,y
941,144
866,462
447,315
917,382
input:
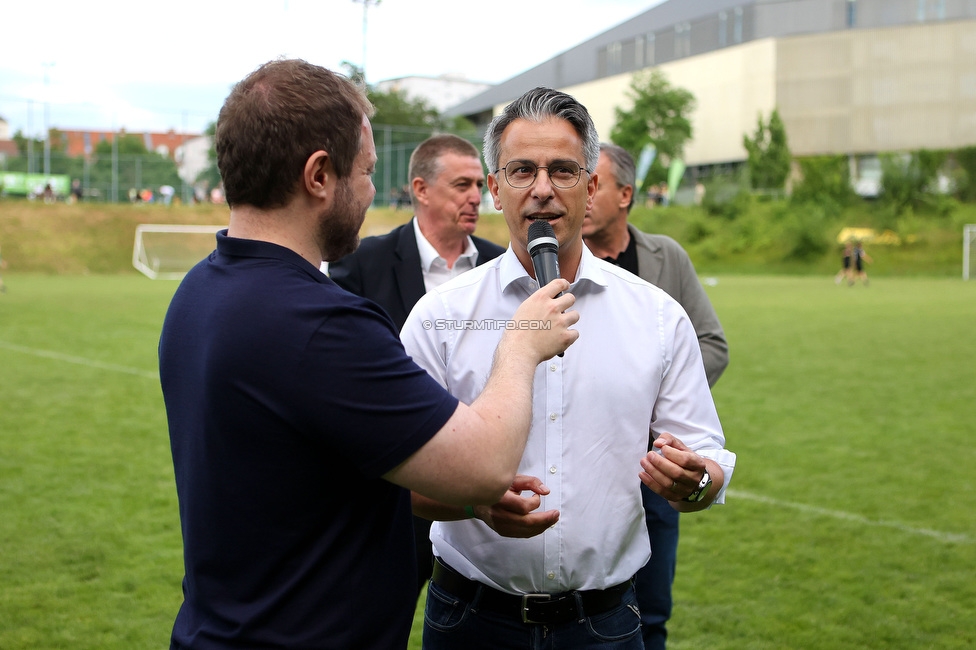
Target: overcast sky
x,y
102,64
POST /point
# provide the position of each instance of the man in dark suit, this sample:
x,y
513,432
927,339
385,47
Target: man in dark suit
x,y
395,270
664,263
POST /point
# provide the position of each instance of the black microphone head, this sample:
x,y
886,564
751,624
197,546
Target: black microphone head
x,y
541,236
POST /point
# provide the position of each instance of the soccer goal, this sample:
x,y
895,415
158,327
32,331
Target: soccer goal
x,y
968,261
167,251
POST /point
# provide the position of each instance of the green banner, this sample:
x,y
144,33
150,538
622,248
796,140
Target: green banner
x,y
675,173
21,184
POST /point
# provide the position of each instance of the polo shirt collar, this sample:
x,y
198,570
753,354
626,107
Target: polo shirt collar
x,y
232,247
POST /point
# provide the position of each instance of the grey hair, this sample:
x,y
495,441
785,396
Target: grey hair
x,y
622,167
538,105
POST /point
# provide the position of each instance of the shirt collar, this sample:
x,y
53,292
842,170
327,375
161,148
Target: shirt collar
x,y
511,272
429,254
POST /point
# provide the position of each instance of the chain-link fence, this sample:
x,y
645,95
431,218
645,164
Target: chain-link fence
x,y
119,177
394,145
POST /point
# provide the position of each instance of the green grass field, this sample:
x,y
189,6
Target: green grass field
x,y
849,523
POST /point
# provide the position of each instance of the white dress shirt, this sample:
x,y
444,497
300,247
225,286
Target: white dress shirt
x,y
636,368
435,267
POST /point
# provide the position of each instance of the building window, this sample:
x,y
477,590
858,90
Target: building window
x,y
737,27
638,52
682,40
923,11
613,58
649,50
852,13
723,29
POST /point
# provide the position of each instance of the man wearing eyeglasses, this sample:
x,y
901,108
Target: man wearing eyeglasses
x,y
663,262
551,564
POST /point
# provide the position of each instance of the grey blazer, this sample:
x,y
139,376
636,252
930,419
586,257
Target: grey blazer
x,y
664,263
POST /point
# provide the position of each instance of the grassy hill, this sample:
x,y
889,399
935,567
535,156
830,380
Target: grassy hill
x,y
746,235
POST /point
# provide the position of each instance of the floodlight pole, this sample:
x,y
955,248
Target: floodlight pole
x,y
47,119
366,4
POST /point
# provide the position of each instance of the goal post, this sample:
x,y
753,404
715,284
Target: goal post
x,y
968,259
168,251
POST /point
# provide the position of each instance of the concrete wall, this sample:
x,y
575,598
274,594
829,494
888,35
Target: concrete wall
x,y
868,91
859,91
731,87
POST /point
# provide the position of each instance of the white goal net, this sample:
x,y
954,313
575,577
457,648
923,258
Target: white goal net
x,y
167,252
968,259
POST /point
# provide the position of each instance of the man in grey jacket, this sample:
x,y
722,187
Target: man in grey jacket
x,y
663,262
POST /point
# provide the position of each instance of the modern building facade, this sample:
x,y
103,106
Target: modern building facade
x,y
854,77
440,92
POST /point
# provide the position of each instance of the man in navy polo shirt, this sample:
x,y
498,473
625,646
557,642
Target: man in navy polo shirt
x,y
297,422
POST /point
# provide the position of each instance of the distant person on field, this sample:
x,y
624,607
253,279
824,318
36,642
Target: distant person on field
x,y
396,269
845,269
860,259
76,192
664,263
297,422
166,193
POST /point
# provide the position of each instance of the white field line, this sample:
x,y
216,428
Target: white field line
x,y
81,361
957,538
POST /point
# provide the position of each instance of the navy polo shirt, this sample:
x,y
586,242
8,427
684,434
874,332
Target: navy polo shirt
x,y
287,399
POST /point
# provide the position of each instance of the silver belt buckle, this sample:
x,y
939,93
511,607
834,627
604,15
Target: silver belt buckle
x,y
528,598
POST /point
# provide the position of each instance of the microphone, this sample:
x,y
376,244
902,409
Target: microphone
x,y
544,248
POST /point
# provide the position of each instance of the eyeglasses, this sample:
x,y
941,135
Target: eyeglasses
x,y
564,174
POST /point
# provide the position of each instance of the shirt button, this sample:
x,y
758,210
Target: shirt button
x,y
551,575
552,417
552,367
552,470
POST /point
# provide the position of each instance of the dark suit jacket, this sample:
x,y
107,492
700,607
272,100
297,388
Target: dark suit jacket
x,y
386,269
664,263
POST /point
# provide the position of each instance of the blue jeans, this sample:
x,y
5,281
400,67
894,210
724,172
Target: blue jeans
x,y
653,581
452,624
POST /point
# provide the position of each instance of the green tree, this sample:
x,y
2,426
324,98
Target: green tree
x,y
137,166
659,116
909,180
22,140
394,108
825,180
965,161
128,144
769,154
210,175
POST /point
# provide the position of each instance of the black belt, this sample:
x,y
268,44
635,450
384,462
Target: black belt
x,y
529,608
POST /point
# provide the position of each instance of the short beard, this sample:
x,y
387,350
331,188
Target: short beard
x,y
339,226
